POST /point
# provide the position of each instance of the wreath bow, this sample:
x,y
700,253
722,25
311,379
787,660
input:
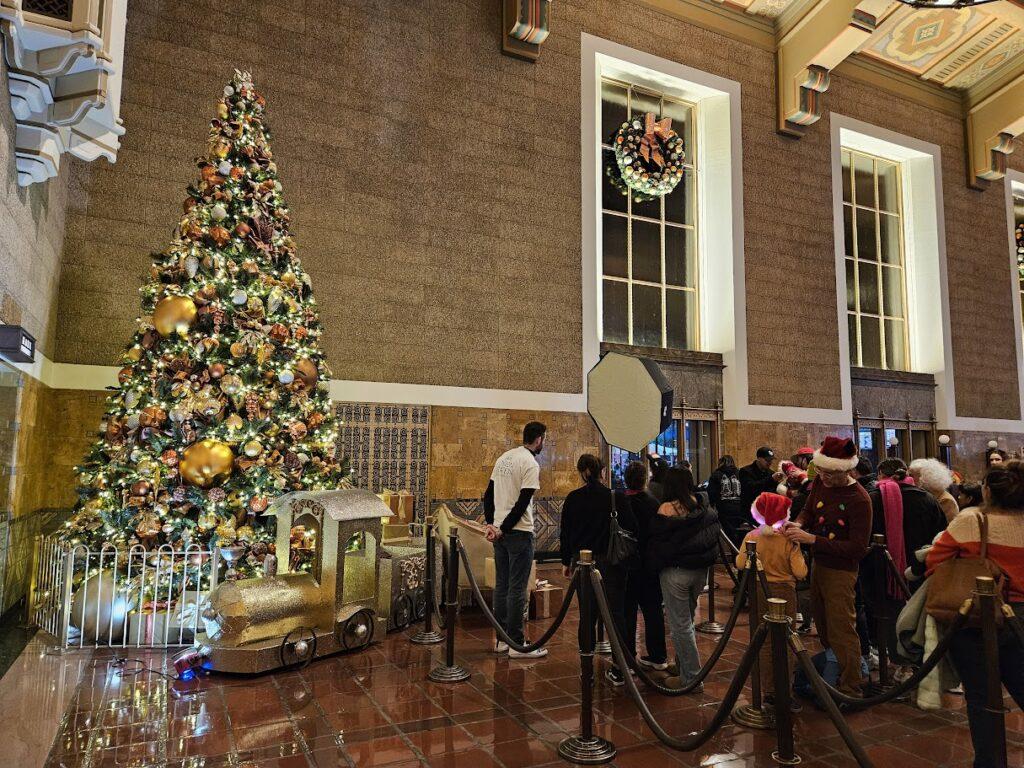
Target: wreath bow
x,y
655,131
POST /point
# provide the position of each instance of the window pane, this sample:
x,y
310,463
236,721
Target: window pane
x,y
643,103
888,186
919,440
867,248
613,245
650,209
615,312
848,229
682,119
681,319
847,181
868,288
895,345
613,109
889,234
612,199
864,180
680,204
646,316
851,285
892,291
851,323
646,251
870,342
680,257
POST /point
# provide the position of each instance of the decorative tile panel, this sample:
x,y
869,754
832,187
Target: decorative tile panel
x,y
547,517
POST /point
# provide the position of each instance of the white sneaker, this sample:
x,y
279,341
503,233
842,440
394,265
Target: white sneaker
x,y
539,653
501,647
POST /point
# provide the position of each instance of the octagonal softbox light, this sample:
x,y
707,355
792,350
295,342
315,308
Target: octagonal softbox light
x,y
629,399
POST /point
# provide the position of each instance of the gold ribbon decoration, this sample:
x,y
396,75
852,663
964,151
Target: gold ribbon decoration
x,y
655,131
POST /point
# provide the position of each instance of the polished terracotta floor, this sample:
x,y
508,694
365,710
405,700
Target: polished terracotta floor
x,y
376,708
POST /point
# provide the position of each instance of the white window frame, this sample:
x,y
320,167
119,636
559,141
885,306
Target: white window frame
x,y
930,335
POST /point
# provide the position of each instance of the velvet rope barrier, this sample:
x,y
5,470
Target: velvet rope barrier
x,y
728,558
822,689
501,633
900,579
716,654
854,702
698,738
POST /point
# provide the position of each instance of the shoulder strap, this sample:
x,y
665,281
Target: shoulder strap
x,y
983,525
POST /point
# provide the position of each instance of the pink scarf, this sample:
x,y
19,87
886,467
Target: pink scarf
x,y
892,505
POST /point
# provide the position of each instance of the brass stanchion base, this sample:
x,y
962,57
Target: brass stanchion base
x,y
711,628
795,760
427,638
604,647
875,688
592,751
750,716
445,674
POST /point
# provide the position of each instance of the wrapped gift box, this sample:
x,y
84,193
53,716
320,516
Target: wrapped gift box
x,y
545,601
148,628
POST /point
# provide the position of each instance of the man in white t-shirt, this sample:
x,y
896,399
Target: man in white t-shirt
x,y
508,510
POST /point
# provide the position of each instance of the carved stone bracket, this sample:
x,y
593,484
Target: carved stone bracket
x,y
524,27
992,125
830,32
64,81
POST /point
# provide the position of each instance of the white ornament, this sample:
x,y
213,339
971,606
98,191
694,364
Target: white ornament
x,y
191,266
132,422
224,168
177,415
239,297
219,212
168,528
229,91
286,377
132,398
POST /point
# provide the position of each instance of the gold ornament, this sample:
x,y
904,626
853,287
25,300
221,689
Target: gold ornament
x,y
231,384
234,421
152,416
206,463
174,314
253,448
306,374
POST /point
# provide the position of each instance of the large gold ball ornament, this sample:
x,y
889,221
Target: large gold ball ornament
x,y
306,374
206,463
174,314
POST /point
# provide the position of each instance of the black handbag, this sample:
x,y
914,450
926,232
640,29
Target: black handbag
x,y
623,545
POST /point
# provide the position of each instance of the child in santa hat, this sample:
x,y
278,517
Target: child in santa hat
x,y
782,561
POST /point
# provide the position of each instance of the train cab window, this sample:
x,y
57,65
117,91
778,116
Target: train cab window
x,y
305,539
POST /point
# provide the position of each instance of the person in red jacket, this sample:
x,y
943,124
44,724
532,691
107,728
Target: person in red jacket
x,y
836,523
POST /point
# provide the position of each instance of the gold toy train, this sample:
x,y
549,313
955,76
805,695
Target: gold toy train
x,y
355,590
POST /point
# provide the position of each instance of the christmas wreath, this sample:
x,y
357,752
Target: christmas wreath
x,y
648,158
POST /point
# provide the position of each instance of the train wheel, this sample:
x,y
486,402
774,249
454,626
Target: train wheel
x,y
298,648
402,612
419,603
357,632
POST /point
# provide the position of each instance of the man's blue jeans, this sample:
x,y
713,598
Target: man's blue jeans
x,y
513,560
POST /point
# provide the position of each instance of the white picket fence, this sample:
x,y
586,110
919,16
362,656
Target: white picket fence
x,y
113,598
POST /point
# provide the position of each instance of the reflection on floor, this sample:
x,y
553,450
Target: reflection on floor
x,y
376,708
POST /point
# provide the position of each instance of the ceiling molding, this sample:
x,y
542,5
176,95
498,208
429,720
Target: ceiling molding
x,y
992,125
871,72
753,30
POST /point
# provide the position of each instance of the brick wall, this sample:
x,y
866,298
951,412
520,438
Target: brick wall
x,y
439,259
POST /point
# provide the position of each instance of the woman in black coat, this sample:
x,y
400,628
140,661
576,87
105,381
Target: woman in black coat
x,y
683,545
586,522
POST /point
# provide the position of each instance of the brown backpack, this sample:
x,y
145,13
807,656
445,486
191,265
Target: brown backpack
x,y
953,581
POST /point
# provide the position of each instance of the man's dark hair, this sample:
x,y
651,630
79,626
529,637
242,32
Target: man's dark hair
x,y
636,476
863,467
532,431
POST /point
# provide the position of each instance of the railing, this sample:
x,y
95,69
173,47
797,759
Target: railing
x,y
118,598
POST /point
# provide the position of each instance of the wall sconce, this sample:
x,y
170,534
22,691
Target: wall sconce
x,y
993,443
944,449
16,344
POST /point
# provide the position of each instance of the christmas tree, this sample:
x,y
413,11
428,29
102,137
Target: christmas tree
x,y
222,403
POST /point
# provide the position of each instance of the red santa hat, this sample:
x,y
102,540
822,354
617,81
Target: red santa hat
x,y
804,451
837,454
770,509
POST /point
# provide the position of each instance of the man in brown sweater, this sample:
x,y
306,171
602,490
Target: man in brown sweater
x,y
836,524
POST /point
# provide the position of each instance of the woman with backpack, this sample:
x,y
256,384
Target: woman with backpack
x,y
682,545
1002,517
724,492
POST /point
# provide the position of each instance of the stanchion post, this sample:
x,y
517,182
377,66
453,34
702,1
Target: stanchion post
x,y
449,671
602,645
428,635
753,715
985,595
881,613
711,627
779,627
586,749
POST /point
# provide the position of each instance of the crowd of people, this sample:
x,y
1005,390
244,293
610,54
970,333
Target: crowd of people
x,y
811,519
